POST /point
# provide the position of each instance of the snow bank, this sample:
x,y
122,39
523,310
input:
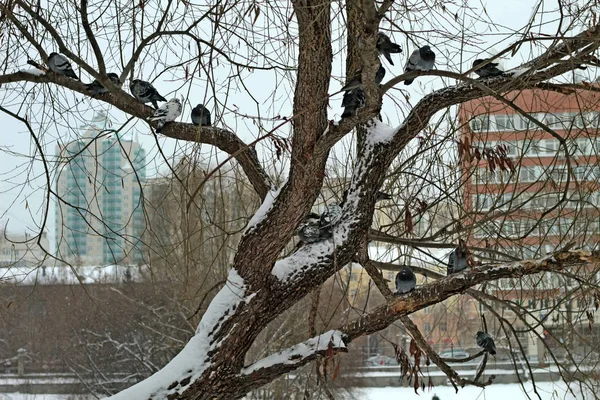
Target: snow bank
x,y
193,360
65,275
298,352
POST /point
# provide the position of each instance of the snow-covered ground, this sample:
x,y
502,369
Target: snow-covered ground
x,y
546,390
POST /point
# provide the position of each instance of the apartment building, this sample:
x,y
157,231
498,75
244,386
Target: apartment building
x,y
99,215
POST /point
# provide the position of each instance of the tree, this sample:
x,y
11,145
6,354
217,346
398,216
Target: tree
x,y
181,40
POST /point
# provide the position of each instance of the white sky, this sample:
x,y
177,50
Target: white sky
x,y
22,186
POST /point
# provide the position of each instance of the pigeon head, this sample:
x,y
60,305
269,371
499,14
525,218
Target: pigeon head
x,y
477,62
479,333
426,53
176,100
405,272
114,78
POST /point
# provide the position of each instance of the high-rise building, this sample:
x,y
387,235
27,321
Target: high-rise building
x,y
99,213
546,196
23,250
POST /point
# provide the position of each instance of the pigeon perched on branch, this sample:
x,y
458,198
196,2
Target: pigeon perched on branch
x,y
201,116
95,88
405,280
310,231
386,47
168,112
422,59
353,101
457,261
61,65
485,341
489,69
145,92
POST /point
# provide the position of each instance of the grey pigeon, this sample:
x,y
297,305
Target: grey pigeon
x,y
485,341
201,116
356,81
405,280
386,47
353,101
422,59
168,112
95,88
458,259
489,69
331,216
145,92
310,230
61,65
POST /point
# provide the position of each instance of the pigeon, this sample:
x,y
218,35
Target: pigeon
x,y
379,75
435,397
405,280
331,216
310,230
95,88
386,47
458,259
168,112
489,69
201,115
421,59
353,101
145,92
61,65
485,341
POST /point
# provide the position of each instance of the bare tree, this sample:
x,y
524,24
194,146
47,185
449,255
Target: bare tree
x,y
227,44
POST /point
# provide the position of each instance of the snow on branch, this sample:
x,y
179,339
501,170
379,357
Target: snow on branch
x,y
194,359
298,354
263,210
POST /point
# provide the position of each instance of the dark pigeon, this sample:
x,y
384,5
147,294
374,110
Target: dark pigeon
x,y
458,259
353,101
95,88
405,280
489,69
435,397
168,112
379,75
382,196
201,116
310,231
422,59
145,92
61,65
386,47
485,341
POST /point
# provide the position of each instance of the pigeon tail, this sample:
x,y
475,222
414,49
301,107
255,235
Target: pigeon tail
x,y
409,81
348,112
160,125
155,104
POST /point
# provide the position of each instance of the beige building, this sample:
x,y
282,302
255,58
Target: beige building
x,y
22,250
99,217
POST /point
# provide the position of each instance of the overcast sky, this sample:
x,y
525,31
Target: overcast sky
x,y
22,183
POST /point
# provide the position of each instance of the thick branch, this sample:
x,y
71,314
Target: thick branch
x,y
221,138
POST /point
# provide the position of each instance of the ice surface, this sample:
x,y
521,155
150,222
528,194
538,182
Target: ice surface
x,y
192,360
547,391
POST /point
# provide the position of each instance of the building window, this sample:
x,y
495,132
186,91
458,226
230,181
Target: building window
x,y
443,326
427,327
504,122
480,123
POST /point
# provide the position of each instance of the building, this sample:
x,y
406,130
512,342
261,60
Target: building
x,y
23,250
528,189
99,214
